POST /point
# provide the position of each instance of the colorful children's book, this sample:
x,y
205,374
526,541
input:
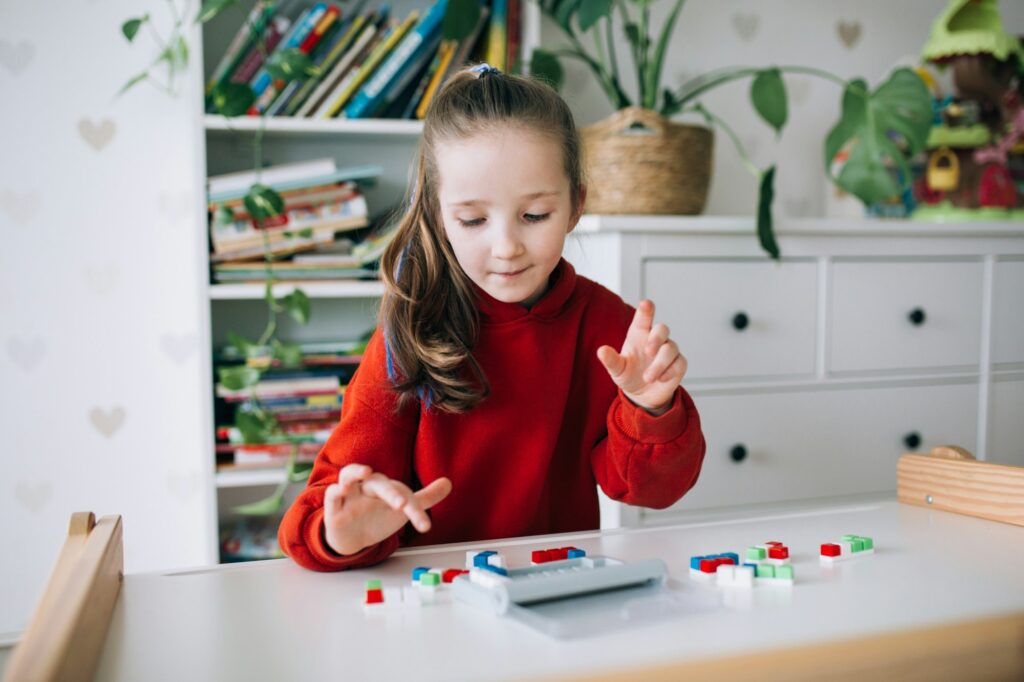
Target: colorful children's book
x,y
445,53
497,35
302,27
279,26
352,173
325,60
240,182
514,37
318,55
370,65
366,32
253,26
401,65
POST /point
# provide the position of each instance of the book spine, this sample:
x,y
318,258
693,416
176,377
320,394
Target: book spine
x,y
323,57
369,98
514,35
306,22
246,36
321,26
254,60
435,81
497,47
361,32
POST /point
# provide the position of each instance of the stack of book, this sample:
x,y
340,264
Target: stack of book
x,y
323,206
369,64
305,401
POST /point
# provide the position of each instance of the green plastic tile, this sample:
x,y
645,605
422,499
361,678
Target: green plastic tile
x,y
785,572
868,544
849,538
756,553
373,584
766,570
858,545
430,579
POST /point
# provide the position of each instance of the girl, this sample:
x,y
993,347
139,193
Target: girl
x,y
492,393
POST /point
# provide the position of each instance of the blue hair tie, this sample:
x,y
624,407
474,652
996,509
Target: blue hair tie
x,y
482,70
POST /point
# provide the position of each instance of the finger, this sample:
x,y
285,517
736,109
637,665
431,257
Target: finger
x,y
657,337
397,495
612,361
675,372
433,493
354,472
334,498
643,318
667,354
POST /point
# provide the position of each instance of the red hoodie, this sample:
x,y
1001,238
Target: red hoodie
x,y
526,460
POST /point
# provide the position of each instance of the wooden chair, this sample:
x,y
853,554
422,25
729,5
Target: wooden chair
x,y
65,636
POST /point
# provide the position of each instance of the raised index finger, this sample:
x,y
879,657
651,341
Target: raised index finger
x,y
643,320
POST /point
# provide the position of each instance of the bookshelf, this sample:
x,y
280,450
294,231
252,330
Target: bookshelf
x,y
340,309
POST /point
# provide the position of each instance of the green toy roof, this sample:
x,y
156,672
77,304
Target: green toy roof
x,y
970,27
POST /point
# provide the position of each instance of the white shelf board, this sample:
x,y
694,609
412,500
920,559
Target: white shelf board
x,y
243,478
304,126
343,289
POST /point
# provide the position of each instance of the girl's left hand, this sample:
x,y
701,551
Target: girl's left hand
x,y
649,367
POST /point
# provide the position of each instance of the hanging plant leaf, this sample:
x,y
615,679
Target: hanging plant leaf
x,y
297,305
592,11
237,378
233,99
563,11
901,105
263,202
546,65
131,27
306,233
290,354
460,18
224,215
135,80
179,53
212,8
252,427
265,507
300,472
768,95
765,231
291,64
240,344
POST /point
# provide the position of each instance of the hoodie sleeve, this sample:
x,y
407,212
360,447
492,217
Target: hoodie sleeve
x,y
371,433
646,460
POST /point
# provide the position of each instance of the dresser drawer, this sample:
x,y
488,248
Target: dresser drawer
x,y
905,314
1006,423
821,443
1008,312
737,318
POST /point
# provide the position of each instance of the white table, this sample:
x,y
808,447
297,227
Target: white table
x,y
275,621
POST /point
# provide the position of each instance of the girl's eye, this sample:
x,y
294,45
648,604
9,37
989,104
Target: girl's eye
x,y
473,222
535,218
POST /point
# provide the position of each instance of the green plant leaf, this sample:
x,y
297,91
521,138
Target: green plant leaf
x,y
290,354
654,68
768,95
563,12
212,8
237,378
131,27
240,343
135,80
902,107
633,34
460,18
592,11
252,427
263,202
179,53
765,231
306,233
297,305
546,65
300,472
233,99
291,64
670,105
224,215
265,507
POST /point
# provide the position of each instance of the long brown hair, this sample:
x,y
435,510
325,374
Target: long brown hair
x,y
429,311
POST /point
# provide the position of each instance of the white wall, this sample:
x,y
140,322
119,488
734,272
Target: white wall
x,y
711,34
102,323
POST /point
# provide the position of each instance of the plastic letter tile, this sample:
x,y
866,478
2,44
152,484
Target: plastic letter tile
x,y
868,544
373,585
756,553
765,571
785,572
576,553
375,596
830,549
430,579
708,565
695,562
858,545
778,552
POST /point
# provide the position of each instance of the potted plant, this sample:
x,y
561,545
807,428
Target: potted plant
x,y
665,168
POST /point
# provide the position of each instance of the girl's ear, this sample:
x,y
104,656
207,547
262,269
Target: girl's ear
x,y
579,209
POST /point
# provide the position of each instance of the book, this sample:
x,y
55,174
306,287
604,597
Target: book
x,y
408,109
320,28
368,67
462,54
284,247
355,173
303,195
301,28
270,387
241,181
401,64
279,25
241,233
514,37
497,35
293,94
253,26
445,53
367,31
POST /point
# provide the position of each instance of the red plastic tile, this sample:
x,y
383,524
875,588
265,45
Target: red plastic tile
x,y
829,549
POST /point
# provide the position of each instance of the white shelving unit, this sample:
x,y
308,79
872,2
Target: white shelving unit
x,y
340,309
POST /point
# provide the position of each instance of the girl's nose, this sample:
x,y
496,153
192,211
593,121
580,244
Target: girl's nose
x,y
506,242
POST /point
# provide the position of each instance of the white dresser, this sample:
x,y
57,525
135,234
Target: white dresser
x,y
813,375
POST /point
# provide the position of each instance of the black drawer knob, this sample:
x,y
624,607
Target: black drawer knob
x,y
740,321
917,317
912,440
738,453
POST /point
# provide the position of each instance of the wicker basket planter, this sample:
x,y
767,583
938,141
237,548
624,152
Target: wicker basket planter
x,y
639,162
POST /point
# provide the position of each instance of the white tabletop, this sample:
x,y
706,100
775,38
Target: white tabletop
x,y
273,620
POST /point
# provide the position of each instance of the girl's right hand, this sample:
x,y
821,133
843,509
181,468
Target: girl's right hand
x,y
364,507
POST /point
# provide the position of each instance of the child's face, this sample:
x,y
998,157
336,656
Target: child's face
x,y
506,208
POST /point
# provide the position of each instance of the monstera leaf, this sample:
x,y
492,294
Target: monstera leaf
x,y
882,127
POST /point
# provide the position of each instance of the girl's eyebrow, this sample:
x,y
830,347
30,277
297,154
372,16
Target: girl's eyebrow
x,y
531,195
